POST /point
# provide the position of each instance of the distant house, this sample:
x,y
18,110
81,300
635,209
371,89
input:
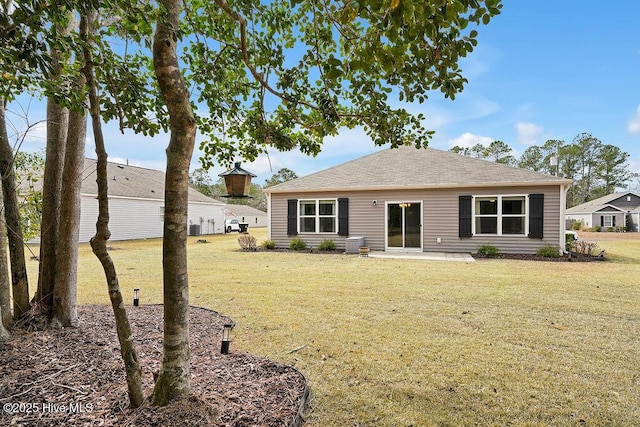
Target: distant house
x,y
246,214
612,212
136,204
410,199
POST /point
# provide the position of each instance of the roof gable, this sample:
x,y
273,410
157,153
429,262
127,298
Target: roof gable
x,y
244,210
133,182
410,167
609,208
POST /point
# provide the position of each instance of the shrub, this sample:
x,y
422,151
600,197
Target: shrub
x,y
569,242
297,244
247,242
577,226
549,251
268,244
327,245
587,249
488,250
598,228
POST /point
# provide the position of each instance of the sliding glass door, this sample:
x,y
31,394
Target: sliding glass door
x,y
404,225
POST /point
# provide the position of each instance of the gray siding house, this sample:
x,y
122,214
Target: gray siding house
x,y
612,212
409,199
136,204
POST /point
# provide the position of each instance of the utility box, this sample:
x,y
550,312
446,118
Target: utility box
x,y
352,244
194,230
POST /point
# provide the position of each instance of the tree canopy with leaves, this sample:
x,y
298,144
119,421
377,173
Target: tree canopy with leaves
x,y
248,75
595,168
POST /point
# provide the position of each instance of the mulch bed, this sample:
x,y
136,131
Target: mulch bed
x,y
75,376
525,257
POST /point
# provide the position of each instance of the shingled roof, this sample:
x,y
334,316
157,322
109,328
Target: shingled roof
x,y
600,203
133,182
410,167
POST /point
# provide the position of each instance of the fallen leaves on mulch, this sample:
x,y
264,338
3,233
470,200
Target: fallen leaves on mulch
x,y
75,376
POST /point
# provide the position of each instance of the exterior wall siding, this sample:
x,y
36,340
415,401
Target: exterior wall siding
x,y
209,217
254,221
585,219
439,219
131,219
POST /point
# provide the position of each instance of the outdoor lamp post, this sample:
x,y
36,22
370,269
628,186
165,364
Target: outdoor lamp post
x,y
136,296
237,182
226,338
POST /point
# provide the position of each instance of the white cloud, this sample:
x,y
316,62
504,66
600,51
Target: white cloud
x,y
469,140
528,133
634,123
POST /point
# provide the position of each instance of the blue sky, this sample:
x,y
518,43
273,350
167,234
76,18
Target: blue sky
x,y
542,70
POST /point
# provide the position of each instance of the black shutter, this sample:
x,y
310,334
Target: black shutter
x,y
292,217
536,216
343,217
613,218
464,216
601,220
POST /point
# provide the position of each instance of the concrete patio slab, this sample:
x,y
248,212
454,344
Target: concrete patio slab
x,y
428,256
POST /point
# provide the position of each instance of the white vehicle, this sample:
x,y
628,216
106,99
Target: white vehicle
x,y
232,225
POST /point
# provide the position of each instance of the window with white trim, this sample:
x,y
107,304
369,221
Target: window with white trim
x,y
161,213
500,215
318,216
607,221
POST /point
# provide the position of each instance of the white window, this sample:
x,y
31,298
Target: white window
x,y
607,220
161,213
500,215
318,216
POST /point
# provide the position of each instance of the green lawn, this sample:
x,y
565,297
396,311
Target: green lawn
x,y
407,342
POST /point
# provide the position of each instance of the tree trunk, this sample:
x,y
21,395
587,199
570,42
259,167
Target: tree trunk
x,y
3,331
19,282
173,380
57,127
5,283
99,241
65,311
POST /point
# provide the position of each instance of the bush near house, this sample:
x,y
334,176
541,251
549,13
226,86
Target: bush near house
x,y
327,245
488,251
247,242
549,251
297,245
268,244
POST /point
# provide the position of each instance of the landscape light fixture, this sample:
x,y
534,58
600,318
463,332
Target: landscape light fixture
x,y
237,182
226,338
136,297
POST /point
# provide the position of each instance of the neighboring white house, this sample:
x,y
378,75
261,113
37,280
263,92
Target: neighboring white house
x,y
136,204
246,214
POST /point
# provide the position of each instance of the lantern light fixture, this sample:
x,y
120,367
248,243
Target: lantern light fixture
x,y
136,297
237,181
226,338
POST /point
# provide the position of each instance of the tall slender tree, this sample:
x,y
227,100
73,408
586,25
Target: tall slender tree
x,y
589,148
19,280
173,380
64,311
6,317
612,168
57,128
99,241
